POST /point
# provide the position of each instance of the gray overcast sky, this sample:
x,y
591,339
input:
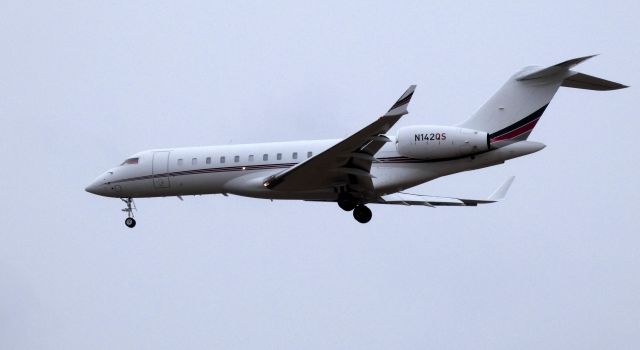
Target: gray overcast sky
x,y
85,84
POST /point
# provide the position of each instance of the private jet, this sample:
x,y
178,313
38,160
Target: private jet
x,y
372,166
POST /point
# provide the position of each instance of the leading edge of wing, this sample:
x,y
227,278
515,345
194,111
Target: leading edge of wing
x,y
320,170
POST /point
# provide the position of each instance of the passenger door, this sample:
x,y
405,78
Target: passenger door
x,y
160,169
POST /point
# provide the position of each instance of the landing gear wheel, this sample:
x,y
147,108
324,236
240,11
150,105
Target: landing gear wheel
x,y
130,222
362,214
347,203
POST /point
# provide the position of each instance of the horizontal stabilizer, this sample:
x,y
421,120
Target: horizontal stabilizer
x,y
571,78
555,69
589,82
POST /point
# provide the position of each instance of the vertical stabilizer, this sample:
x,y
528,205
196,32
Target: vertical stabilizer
x,y
513,111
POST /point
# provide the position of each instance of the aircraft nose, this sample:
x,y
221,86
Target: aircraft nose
x,y
92,188
99,186
95,187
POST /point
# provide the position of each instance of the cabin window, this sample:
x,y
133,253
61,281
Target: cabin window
x,y
251,157
194,161
294,155
130,161
309,154
236,159
279,156
208,160
222,159
265,157
180,162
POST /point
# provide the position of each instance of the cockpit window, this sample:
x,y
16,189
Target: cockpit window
x,y
130,161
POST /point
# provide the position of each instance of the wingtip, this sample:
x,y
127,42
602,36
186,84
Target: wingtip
x,y
400,107
501,192
588,57
585,58
408,93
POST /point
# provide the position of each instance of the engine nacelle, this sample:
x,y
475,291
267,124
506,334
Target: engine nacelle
x,y
438,142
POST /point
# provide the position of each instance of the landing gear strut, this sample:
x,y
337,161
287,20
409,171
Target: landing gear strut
x,y
362,214
129,221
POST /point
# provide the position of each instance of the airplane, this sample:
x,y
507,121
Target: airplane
x,y
369,167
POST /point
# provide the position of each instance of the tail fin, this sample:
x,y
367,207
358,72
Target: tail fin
x,y
513,111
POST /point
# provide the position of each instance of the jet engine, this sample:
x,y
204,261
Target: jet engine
x,y
431,142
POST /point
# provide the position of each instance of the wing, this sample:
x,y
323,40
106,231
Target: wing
x,y
433,201
348,163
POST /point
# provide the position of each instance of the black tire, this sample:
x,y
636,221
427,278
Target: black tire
x,y
362,214
130,222
347,203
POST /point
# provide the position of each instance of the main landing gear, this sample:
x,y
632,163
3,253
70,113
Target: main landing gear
x,y
347,203
129,221
361,212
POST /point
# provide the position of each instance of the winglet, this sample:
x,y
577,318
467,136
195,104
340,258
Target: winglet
x,y
400,107
501,192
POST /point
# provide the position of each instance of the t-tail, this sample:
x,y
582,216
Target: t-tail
x,y
513,111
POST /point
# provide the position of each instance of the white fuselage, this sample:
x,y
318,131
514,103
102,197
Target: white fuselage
x,y
242,169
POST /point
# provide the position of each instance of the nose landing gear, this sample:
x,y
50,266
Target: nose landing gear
x,y
129,221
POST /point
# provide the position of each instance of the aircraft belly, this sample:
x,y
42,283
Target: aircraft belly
x,y
390,178
252,185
